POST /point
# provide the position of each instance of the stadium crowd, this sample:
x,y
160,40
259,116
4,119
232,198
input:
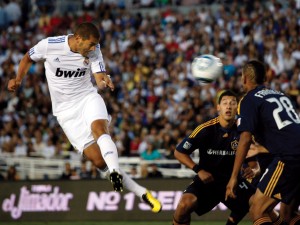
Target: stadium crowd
x,y
156,101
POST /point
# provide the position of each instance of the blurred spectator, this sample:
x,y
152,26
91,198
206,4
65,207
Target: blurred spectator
x,y
20,148
144,170
2,177
84,172
67,173
4,20
12,174
38,143
134,173
151,153
154,171
49,150
74,175
13,11
134,146
95,174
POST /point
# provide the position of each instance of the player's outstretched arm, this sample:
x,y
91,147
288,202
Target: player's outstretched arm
x,y
24,65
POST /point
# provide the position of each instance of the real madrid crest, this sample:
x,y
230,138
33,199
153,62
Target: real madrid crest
x,y
86,61
234,145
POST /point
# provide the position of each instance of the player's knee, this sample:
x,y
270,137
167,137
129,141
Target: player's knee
x,y
99,127
186,205
255,211
182,207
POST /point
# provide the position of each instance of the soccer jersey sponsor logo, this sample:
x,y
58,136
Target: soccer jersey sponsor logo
x,y
187,145
219,152
70,73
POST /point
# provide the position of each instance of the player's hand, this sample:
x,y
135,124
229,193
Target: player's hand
x,y
248,173
256,149
13,84
103,81
108,82
205,176
230,188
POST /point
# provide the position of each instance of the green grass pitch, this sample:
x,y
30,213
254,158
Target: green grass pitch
x,y
119,223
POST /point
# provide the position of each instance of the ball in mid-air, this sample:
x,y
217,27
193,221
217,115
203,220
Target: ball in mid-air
x,y
206,68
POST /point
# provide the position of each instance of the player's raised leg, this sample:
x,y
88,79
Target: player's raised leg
x,y
93,153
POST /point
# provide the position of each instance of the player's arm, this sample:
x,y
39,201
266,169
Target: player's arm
x,y
102,79
24,65
184,159
242,149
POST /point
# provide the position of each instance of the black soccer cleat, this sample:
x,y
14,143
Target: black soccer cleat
x,y
116,180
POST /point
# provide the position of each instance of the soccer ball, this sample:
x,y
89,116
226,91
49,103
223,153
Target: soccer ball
x,y
206,68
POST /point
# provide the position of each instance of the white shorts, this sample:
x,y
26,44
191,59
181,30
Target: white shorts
x,y
76,122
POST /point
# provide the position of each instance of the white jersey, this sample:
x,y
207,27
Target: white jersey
x,y
68,73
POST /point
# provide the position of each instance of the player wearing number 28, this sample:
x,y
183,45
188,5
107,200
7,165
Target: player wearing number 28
x,y
270,116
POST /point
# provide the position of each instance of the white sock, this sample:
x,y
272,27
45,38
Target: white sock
x,y
131,185
109,152
104,173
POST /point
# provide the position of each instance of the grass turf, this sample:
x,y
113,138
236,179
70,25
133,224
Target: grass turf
x,y
120,223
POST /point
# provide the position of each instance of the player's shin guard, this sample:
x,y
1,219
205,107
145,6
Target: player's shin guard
x,y
109,152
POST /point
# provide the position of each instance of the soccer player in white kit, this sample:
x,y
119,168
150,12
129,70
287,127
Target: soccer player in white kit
x,y
69,61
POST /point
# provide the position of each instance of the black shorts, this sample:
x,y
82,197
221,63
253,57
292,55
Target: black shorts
x,y
211,194
281,179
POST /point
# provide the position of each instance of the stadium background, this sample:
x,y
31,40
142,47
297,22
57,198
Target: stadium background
x,y
148,47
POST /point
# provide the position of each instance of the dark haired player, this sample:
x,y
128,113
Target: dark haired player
x,y
288,213
270,117
69,62
216,140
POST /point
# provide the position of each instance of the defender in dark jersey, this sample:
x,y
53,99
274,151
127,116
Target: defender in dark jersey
x,y
217,141
288,213
270,116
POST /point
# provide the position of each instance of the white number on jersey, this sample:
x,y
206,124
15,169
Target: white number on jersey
x,y
284,103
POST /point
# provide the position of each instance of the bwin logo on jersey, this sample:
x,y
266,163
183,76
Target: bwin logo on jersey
x,y
187,145
70,73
